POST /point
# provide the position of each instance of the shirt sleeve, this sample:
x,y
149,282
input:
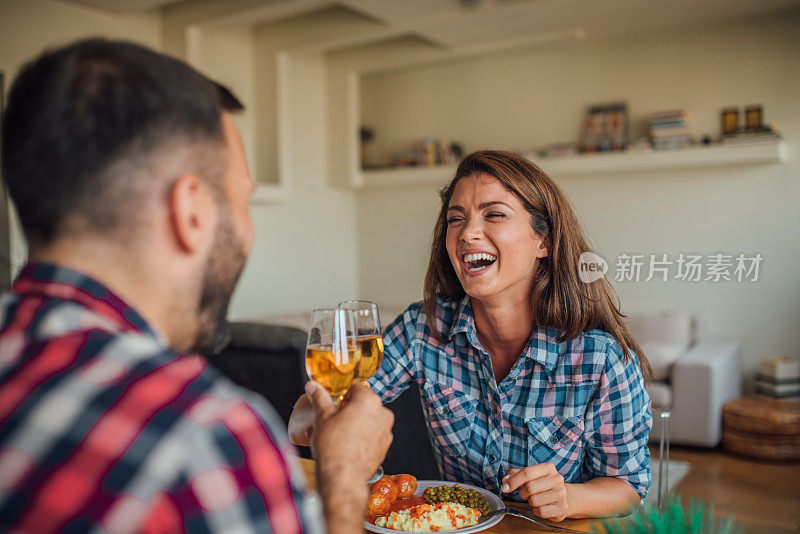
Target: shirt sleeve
x,y
239,476
399,342
619,422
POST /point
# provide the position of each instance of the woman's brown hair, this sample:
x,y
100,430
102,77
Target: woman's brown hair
x,y
560,299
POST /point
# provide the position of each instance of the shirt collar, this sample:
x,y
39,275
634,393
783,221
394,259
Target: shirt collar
x,y
463,320
58,282
542,348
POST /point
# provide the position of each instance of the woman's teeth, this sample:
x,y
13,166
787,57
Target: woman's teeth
x,y
479,261
470,258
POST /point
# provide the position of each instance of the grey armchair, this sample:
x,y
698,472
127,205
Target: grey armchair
x,y
267,359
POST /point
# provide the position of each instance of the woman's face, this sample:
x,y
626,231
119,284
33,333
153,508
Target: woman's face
x,y
491,243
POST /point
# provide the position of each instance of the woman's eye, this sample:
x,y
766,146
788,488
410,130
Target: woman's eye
x,y
495,215
453,220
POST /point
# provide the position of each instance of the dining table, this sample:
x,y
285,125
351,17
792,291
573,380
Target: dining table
x,y
508,525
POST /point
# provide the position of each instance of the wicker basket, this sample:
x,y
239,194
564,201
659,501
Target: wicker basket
x,y
762,427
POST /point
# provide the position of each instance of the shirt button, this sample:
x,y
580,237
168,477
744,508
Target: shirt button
x,y
553,440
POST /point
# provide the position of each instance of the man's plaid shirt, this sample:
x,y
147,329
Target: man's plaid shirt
x,y
575,403
104,428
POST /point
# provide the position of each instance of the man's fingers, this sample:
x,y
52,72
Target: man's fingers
x,y
360,393
322,402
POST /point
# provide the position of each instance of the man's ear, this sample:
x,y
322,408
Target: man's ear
x,y
192,213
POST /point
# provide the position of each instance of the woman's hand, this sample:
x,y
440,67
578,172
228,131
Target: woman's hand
x,y
551,498
301,422
544,489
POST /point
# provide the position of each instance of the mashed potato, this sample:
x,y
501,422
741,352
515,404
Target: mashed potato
x,y
430,518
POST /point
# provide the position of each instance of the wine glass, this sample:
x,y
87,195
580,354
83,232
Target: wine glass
x,y
369,338
332,353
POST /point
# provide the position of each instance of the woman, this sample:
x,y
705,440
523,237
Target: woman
x,y
530,379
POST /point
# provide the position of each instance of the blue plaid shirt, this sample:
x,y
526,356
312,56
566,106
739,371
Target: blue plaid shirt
x,y
575,404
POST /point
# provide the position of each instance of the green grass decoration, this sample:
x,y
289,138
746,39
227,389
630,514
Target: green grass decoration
x,y
698,518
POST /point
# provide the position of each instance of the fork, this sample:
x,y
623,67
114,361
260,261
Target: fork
x,y
520,513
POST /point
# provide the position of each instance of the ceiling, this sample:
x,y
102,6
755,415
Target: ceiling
x,y
458,24
124,6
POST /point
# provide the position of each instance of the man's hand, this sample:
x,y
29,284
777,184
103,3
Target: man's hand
x,y
544,489
349,443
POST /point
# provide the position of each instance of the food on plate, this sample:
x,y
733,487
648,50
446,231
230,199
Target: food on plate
x,y
431,518
406,485
378,504
397,490
386,487
457,494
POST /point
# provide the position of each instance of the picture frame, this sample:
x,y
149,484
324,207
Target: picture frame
x,y
754,118
729,118
605,128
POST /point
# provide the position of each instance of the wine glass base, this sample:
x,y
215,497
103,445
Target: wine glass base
x,y
376,476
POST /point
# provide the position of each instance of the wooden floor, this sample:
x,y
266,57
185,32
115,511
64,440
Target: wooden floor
x,y
765,496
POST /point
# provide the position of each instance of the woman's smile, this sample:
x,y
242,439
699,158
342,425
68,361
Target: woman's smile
x,y
477,262
490,240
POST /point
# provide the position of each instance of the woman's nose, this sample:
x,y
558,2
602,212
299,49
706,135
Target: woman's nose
x,y
471,231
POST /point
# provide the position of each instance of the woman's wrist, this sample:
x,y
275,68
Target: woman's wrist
x,y
600,497
573,496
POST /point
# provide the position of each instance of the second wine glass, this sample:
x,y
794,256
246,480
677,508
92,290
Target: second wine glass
x,y
369,339
368,335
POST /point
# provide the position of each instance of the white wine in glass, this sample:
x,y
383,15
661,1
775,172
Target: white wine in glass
x,y
371,356
332,351
368,336
369,339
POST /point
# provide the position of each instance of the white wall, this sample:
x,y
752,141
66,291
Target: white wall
x,y
29,26
228,55
305,253
533,97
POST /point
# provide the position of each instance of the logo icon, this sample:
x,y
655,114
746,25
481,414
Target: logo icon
x,y
591,267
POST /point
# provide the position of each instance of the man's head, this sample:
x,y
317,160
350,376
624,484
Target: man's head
x,y
109,142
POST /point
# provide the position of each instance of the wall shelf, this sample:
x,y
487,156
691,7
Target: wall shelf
x,y
595,164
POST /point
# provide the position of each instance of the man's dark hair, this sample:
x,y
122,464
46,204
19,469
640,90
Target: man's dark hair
x,y
84,123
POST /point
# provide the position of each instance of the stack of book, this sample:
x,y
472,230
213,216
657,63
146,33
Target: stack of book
x,y
668,130
752,137
559,150
430,151
779,378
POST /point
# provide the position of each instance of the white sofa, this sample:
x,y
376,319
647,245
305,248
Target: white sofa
x,y
693,377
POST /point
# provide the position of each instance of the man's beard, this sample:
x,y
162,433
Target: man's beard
x,y
224,266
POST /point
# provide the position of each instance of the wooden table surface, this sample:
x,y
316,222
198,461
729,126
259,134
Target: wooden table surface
x,y
508,525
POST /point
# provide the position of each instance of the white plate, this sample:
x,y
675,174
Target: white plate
x,y
494,502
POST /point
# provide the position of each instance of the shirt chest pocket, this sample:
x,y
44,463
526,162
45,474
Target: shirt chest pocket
x,y
557,440
450,414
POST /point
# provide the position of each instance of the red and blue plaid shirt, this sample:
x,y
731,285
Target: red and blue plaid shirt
x,y
575,404
103,427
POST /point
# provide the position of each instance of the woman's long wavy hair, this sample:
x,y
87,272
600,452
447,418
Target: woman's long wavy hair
x,y
560,299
